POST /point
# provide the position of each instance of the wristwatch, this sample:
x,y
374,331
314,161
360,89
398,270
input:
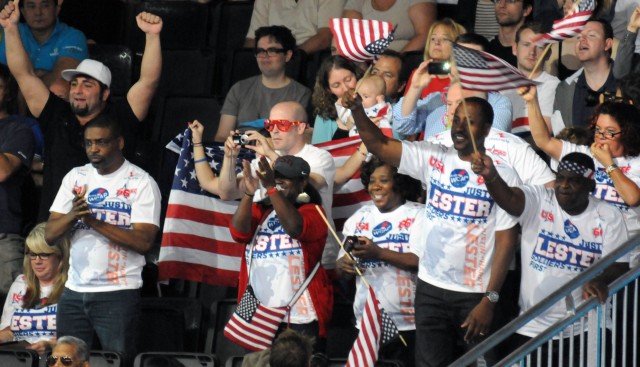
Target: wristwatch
x,y
493,296
610,168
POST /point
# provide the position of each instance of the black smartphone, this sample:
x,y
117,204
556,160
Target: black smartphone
x,y
439,68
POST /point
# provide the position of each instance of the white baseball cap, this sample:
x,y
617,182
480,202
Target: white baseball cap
x,y
92,68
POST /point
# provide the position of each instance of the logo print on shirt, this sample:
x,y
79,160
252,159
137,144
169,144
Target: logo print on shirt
x,y
601,176
405,224
273,223
597,232
570,229
362,226
437,164
382,229
98,195
124,192
547,216
459,177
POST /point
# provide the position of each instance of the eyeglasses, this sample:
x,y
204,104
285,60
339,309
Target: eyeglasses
x,y
283,125
271,51
100,143
65,360
42,256
506,1
607,134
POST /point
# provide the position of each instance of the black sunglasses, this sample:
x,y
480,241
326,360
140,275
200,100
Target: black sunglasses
x,y
65,360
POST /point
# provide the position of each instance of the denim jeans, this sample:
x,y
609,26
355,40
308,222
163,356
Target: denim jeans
x,y
111,315
439,314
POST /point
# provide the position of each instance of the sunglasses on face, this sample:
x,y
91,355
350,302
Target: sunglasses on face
x,y
42,256
283,125
65,360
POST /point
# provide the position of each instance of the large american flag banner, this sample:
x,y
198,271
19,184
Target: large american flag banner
x,y
361,40
481,71
196,243
569,26
253,325
350,196
376,329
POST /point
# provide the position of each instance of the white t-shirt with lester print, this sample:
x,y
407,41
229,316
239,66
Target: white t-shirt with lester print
x,y
276,270
128,195
557,247
457,243
395,288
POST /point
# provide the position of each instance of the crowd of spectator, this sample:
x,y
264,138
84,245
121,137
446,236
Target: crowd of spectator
x,y
456,177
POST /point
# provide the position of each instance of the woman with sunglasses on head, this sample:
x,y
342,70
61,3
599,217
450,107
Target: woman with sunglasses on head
x,y
381,248
29,312
615,152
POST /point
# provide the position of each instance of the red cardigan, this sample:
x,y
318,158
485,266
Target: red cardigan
x,y
312,239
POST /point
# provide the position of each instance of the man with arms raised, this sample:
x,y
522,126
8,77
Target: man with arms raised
x,y
63,122
465,243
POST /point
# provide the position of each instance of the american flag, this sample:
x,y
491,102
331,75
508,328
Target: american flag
x,y
569,26
376,329
481,71
361,40
196,243
350,196
253,326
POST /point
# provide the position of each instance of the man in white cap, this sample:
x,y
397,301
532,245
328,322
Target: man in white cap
x,y
63,122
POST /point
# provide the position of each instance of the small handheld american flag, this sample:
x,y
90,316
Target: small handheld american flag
x,y
569,26
361,40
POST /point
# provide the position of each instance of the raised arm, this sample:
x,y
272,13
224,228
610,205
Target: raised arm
x,y
350,166
387,149
141,93
204,173
510,199
539,130
33,89
422,15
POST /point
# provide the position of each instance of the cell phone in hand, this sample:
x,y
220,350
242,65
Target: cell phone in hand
x,y
439,68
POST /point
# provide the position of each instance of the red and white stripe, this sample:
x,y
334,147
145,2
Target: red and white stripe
x,y
364,352
259,333
353,35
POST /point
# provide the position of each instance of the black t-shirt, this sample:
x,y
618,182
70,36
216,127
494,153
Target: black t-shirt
x,y
64,142
15,138
586,100
504,52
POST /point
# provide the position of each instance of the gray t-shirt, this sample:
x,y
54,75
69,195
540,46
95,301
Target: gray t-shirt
x,y
250,100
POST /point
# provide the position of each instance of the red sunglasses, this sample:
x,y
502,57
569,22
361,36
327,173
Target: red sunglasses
x,y
283,125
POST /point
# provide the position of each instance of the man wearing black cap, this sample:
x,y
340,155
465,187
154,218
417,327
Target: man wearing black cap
x,y
62,122
564,231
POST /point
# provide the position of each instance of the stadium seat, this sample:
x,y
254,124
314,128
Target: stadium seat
x,y
169,324
186,72
18,358
101,358
118,59
217,343
184,24
341,333
175,360
234,361
178,110
229,26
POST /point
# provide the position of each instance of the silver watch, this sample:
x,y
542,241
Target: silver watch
x,y
493,296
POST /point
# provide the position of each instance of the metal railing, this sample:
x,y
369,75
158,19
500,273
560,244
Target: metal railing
x,y
595,350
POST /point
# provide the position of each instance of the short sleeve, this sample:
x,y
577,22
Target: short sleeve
x,y
73,45
231,104
414,159
259,18
63,202
9,309
21,143
146,207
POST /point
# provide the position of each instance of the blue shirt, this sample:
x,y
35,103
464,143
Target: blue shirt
x,y
429,116
64,41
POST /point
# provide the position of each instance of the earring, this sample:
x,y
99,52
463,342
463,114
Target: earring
x,y
303,198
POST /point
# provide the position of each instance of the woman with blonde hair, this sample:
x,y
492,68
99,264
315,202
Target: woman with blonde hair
x,y
29,312
438,49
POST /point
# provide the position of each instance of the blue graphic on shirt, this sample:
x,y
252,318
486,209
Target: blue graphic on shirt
x,y
382,229
396,242
556,251
474,205
607,192
570,229
98,195
459,178
34,322
273,242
